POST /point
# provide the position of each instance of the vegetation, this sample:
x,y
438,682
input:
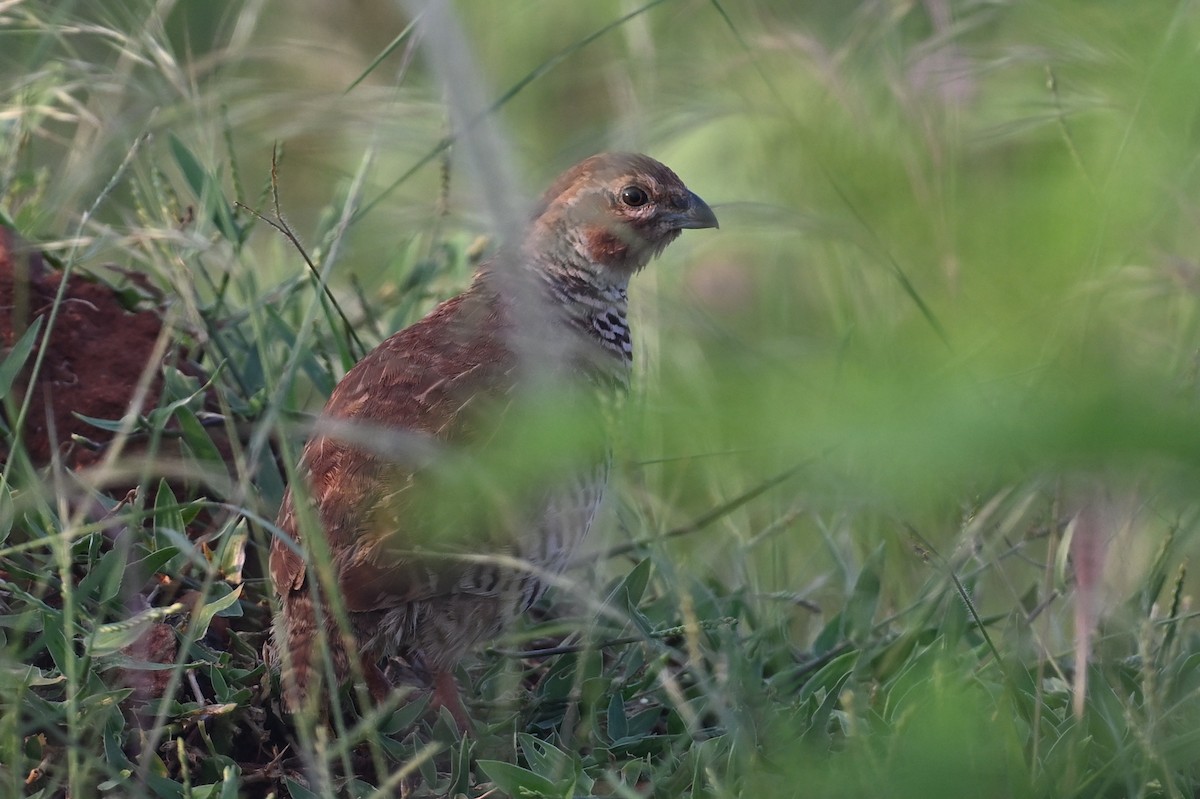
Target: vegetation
x,y
907,498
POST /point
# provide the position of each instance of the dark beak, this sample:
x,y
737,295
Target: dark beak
x,y
695,216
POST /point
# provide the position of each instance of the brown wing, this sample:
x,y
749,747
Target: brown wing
x,y
428,383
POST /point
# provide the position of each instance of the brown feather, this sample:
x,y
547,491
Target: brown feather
x,y
405,528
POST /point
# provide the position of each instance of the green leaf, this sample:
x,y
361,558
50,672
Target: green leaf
x,y
29,676
56,643
1062,560
193,172
179,386
829,637
360,789
169,525
519,782
298,791
545,758
633,586
163,787
858,617
208,190
103,580
618,726
308,361
639,725
33,601
404,716
152,563
196,437
110,638
17,356
184,391
210,609
818,731
829,676
625,596
462,756
230,557
108,425
219,684
114,753
8,512
99,699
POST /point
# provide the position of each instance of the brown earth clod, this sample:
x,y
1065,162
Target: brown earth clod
x,y
95,357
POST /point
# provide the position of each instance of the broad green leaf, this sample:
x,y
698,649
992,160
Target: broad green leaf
x,y
190,510
1062,560
162,786
56,644
405,716
17,357
859,615
103,580
196,437
519,782
108,425
462,757
308,361
152,563
169,526
624,598
231,555
617,722
829,637
819,723
639,725
210,609
207,189
298,791
829,676
360,789
185,391
8,512
99,699
220,687
114,752
30,676
189,166
110,638
119,660
545,758
34,602
179,386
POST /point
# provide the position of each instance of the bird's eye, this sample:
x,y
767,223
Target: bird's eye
x,y
634,196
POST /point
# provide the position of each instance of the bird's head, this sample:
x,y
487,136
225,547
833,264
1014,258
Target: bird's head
x,y
610,214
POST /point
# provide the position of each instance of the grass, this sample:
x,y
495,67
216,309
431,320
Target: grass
x,y
913,434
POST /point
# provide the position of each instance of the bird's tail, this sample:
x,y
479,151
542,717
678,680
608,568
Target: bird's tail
x,y
299,642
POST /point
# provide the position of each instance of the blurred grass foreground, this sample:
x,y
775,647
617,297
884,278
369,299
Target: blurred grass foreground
x,y
907,495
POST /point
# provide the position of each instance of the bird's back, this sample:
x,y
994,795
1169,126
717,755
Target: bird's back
x,y
440,528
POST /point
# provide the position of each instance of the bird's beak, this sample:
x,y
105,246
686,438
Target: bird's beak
x,y
697,215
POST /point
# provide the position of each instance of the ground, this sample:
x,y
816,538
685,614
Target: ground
x,y
96,354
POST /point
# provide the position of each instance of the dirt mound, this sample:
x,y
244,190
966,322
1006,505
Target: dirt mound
x,y
96,354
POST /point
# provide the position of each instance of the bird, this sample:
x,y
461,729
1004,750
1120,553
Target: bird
x,y
431,553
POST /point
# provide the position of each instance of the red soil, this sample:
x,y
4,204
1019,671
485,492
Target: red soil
x,y
96,354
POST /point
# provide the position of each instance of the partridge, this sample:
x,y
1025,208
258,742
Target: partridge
x,y
431,556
